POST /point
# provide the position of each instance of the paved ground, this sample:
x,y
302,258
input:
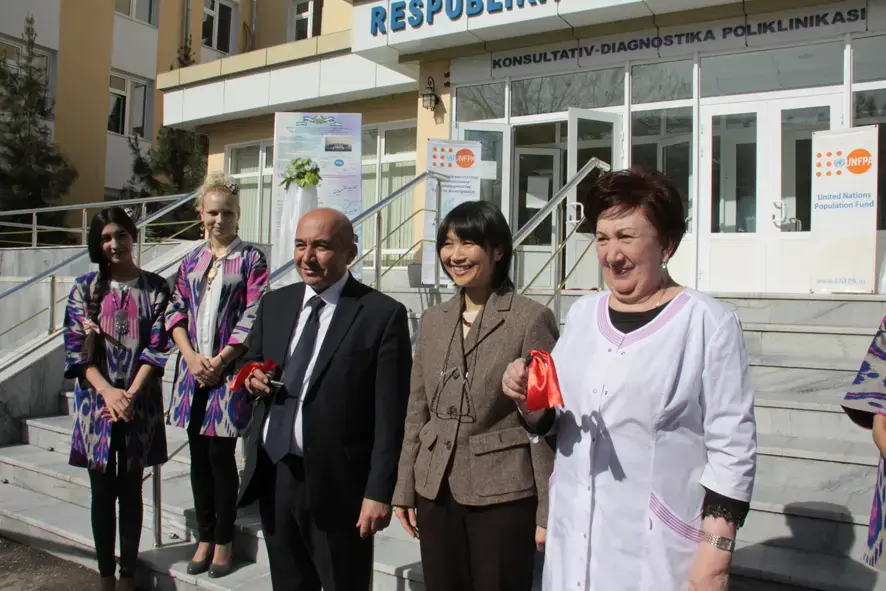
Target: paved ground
x,y
25,569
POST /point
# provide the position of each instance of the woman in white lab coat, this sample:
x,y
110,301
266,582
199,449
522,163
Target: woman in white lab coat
x,y
656,439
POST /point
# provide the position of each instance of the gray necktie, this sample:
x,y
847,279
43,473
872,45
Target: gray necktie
x,y
282,419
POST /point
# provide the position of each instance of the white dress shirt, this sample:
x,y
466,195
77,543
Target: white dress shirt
x,y
330,296
209,298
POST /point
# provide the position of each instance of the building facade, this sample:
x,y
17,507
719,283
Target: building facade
x,y
102,59
722,96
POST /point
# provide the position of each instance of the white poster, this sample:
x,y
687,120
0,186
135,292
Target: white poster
x,y
333,142
460,161
844,210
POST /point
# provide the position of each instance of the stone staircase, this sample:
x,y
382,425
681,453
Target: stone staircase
x,y
806,530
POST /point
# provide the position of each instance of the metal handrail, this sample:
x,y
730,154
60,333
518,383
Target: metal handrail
x,y
93,205
550,208
140,225
536,220
376,211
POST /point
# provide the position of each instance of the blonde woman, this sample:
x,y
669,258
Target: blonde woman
x,y
217,292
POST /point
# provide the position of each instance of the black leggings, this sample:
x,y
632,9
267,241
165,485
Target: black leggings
x,y
214,477
116,483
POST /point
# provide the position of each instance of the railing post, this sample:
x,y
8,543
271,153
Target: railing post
x,y
34,230
51,303
142,233
559,216
158,511
378,237
437,215
83,225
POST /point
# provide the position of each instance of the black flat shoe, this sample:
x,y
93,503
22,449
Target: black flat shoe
x,y
198,568
217,571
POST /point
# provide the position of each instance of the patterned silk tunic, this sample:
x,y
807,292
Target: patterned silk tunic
x,y
244,276
867,398
118,355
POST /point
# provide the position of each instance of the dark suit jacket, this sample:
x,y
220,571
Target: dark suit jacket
x,y
355,405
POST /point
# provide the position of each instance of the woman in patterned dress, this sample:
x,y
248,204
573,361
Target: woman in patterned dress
x,y
865,404
216,296
116,346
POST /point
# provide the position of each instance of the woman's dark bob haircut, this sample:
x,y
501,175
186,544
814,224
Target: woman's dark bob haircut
x,y
483,224
619,193
109,215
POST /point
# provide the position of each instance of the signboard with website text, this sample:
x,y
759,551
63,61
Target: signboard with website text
x,y
844,210
333,141
460,161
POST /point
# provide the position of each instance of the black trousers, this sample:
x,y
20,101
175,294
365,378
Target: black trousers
x,y
214,477
116,483
476,548
303,557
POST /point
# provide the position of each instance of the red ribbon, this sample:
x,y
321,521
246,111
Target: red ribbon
x,y
246,371
542,388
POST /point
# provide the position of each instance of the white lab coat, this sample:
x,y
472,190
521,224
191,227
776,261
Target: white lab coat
x,y
649,419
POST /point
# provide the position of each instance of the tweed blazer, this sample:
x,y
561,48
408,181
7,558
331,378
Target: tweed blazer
x,y
459,423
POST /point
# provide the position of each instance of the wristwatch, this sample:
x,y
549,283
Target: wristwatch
x,y
718,542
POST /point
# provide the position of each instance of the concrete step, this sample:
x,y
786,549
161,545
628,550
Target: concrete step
x,y
816,414
832,521
832,364
836,310
821,341
64,530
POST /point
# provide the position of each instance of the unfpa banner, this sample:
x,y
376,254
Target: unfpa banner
x,y
844,210
460,161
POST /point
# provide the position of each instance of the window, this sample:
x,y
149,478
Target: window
x,y
140,10
252,167
218,20
128,106
301,21
388,164
555,94
661,82
475,103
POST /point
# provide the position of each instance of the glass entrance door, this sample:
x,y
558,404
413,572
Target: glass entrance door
x,y
589,134
497,145
756,173
536,180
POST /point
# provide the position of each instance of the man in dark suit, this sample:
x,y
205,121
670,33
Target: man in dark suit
x,y
322,455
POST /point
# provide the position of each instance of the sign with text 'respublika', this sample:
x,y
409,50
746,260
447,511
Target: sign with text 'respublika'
x,y
413,14
844,210
461,162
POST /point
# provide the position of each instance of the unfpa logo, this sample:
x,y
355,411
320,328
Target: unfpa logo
x,y
834,163
448,157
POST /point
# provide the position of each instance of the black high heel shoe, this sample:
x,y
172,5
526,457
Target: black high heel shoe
x,y
198,567
217,571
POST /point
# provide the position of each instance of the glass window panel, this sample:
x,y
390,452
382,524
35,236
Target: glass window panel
x,y
491,150
245,160
209,4
267,203
301,29
116,113
250,209
555,94
122,6
208,25
144,11
118,83
870,109
776,69
393,176
225,20
661,82
370,143
662,140
400,141
269,157
8,52
475,103
868,64
797,126
734,173
539,136
137,116
539,166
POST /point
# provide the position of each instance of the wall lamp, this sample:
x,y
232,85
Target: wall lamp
x,y
429,98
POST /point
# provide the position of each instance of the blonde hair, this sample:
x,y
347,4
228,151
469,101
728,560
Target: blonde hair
x,y
217,181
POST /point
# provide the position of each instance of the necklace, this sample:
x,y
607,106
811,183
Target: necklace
x,y
121,315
